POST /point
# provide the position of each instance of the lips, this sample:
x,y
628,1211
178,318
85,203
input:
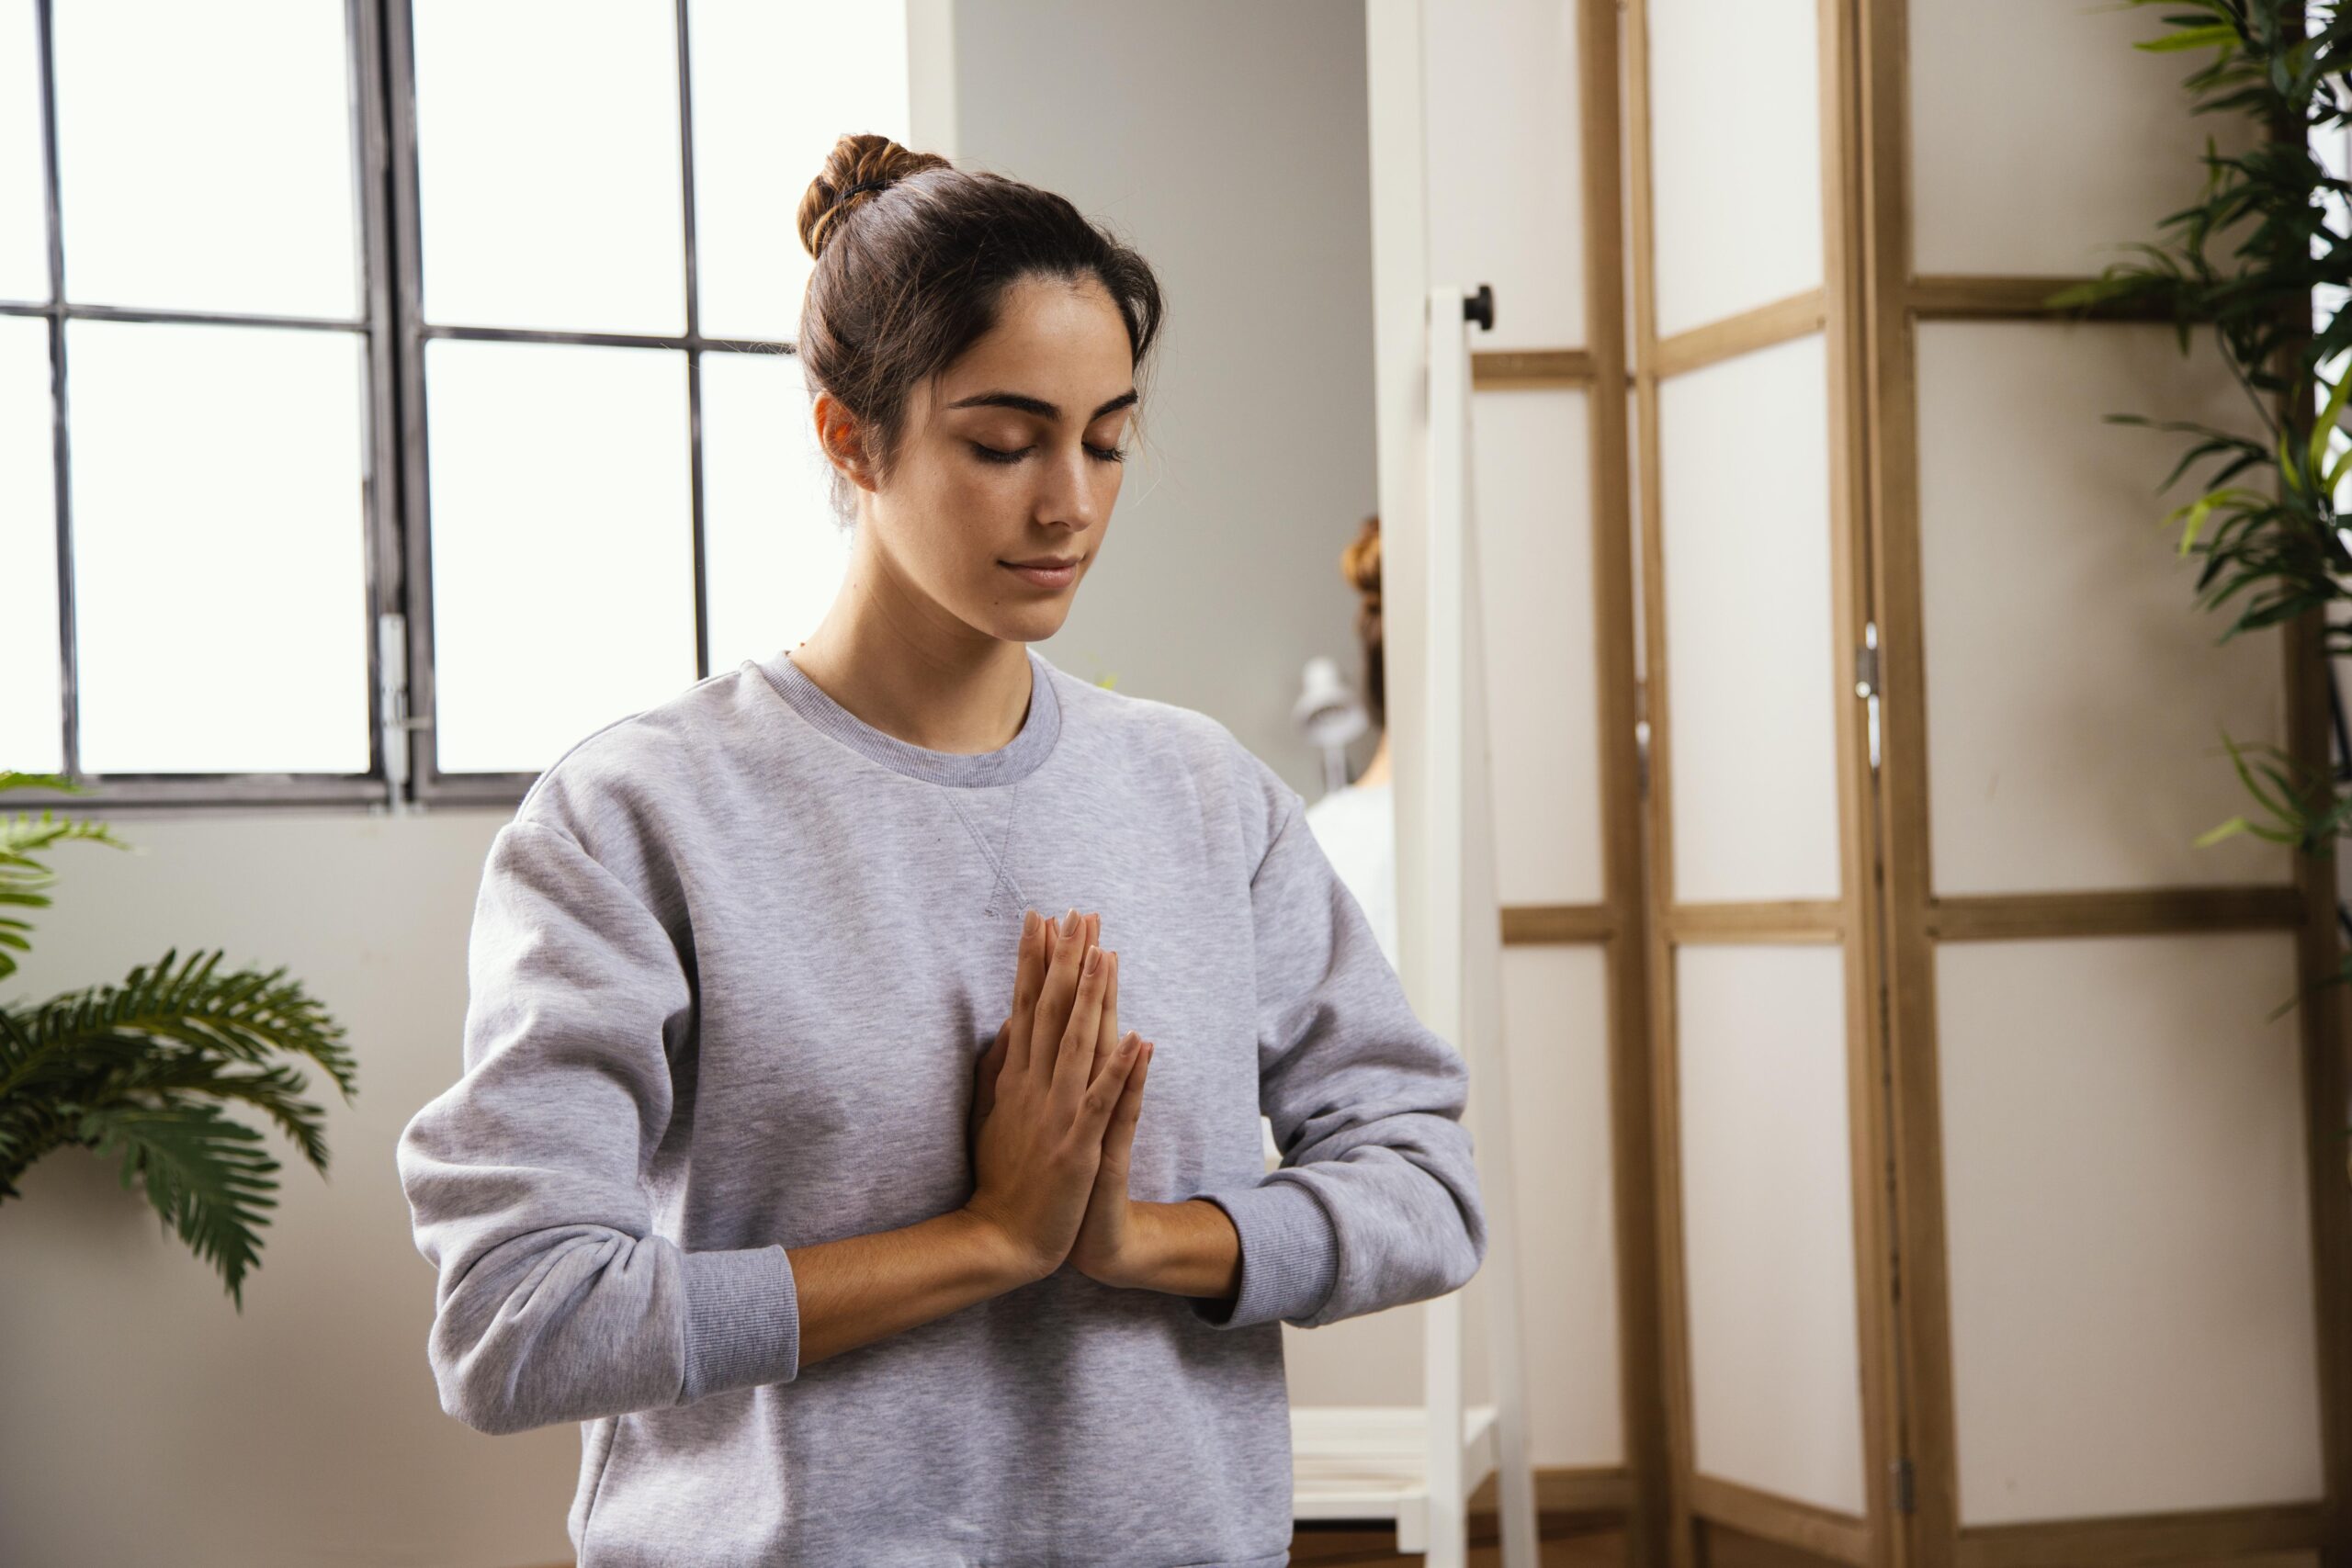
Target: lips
x,y
1043,573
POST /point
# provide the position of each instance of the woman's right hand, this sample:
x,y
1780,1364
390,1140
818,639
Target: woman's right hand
x,y
1035,1154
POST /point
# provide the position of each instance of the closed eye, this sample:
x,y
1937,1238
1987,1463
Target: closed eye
x,y
993,455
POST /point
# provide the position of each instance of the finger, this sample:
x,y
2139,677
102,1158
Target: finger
x,y
1118,1139
1103,1095
1107,1039
1094,935
1075,1075
1055,984
1054,997
1028,977
991,1063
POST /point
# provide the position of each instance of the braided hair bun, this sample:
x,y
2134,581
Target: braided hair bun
x,y
858,169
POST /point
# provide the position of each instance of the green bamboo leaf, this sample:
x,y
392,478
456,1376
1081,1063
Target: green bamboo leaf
x,y
2325,426
2190,38
2229,829
2330,481
2277,809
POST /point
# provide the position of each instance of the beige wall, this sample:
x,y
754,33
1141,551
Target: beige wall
x,y
146,1421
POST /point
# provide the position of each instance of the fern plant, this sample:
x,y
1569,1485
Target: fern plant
x,y
144,1069
2275,304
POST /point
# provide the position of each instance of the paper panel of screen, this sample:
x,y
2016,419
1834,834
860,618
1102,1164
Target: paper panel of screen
x,y
1768,1219
2128,1226
1534,506
1751,676
1735,119
2077,696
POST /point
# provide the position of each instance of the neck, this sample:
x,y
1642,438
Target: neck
x,y
901,664
1377,771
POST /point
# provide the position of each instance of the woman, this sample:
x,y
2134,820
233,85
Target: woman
x,y
1356,824
791,1158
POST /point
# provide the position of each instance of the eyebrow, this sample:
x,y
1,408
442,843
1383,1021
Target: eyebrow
x,y
1039,406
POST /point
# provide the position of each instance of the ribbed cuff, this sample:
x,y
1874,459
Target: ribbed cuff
x,y
743,1321
1290,1253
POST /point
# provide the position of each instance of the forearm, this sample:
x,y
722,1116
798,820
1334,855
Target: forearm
x,y
1185,1249
862,1288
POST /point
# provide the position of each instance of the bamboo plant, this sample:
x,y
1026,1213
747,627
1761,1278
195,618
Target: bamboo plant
x,y
2266,519
144,1069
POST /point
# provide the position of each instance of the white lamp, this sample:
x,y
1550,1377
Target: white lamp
x,y
1329,713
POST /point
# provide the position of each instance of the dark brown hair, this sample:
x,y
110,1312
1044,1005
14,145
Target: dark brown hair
x,y
1359,565
910,275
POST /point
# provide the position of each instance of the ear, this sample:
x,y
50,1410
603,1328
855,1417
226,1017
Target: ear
x,y
839,437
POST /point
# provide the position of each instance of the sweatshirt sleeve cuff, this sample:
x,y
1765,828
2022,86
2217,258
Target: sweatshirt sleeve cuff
x,y
1289,1254
743,1321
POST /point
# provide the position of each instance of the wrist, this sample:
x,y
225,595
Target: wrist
x,y
1144,1253
1139,1246
1006,1261
1197,1251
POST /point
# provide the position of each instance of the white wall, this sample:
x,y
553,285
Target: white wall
x,y
1227,142
146,1421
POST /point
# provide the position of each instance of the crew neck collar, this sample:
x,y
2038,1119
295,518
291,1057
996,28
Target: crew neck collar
x,y
1014,761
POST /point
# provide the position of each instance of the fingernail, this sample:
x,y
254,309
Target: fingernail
x,y
1093,959
1028,924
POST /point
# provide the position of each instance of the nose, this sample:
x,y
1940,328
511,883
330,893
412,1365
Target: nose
x,y
1068,495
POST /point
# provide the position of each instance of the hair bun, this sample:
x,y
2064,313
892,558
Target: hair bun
x,y
858,168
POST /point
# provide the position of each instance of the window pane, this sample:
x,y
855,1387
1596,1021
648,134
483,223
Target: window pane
x,y
764,117
204,156
24,232
547,165
562,544
32,732
219,560
776,555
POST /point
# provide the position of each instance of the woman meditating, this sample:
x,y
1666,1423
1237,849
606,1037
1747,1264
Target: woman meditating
x,y
859,1212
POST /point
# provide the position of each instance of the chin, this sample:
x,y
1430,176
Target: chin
x,y
1031,624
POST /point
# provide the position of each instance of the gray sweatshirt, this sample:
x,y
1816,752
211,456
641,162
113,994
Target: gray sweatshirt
x,y
732,966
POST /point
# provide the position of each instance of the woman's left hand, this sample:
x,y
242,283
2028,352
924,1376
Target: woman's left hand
x,y
1108,1236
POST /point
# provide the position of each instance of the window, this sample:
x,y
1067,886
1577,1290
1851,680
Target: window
x,y
426,400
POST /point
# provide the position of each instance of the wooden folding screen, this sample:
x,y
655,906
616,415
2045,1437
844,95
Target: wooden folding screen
x,y
2123,1196
1996,1223
1964,1204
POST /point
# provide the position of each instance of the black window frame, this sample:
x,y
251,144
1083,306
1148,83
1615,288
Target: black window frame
x,y
404,769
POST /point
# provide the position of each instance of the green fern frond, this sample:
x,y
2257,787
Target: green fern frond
x,y
139,1067
246,1015
23,878
206,1175
275,1090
